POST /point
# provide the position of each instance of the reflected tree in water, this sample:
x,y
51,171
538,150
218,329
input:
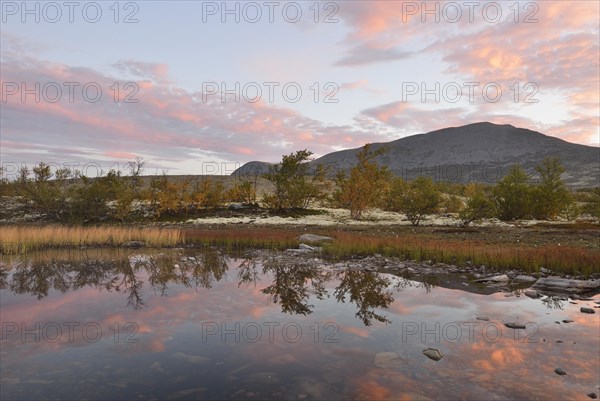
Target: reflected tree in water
x,y
3,276
207,268
129,282
247,271
554,302
368,291
201,270
293,284
427,282
38,277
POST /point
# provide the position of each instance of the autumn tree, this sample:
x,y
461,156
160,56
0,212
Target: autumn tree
x,y
364,186
208,194
243,191
170,197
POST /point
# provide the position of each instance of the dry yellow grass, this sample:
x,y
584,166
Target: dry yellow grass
x,y
20,239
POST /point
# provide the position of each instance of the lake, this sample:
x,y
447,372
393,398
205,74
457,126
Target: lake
x,y
205,324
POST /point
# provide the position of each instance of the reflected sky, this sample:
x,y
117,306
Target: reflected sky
x,y
186,324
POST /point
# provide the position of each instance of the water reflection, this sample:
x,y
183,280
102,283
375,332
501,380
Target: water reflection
x,y
554,302
173,297
293,283
368,291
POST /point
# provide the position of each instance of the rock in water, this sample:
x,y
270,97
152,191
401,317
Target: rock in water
x,y
587,310
525,278
484,318
433,353
570,285
513,325
560,372
496,279
568,321
592,396
531,293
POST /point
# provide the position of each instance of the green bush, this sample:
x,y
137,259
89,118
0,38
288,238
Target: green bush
x,y
416,199
294,189
452,204
512,195
592,204
479,205
44,194
550,197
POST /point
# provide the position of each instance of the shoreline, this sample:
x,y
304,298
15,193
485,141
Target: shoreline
x,y
567,248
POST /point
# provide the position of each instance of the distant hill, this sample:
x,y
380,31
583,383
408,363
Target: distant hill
x,y
481,152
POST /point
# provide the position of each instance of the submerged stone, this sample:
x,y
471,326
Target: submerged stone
x,y
531,293
433,354
389,360
560,372
587,310
514,325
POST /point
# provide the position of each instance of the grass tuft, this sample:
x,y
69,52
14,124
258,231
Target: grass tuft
x,y
21,239
565,259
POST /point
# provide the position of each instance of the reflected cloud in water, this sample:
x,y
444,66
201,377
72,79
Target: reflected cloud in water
x,y
172,295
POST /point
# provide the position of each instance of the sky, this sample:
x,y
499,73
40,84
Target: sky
x,y
202,87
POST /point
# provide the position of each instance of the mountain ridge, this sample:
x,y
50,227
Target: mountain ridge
x,y
480,152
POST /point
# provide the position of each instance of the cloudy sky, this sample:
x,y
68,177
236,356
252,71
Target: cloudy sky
x,y
202,87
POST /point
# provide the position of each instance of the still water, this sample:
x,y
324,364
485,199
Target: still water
x,y
190,324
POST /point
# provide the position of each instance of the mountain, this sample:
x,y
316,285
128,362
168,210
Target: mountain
x,y
480,152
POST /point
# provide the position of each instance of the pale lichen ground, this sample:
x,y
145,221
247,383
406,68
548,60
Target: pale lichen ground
x,y
336,217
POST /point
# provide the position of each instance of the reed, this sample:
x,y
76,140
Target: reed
x,y
243,238
565,259
21,239
500,256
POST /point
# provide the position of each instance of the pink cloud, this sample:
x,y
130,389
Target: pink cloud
x,y
559,53
167,121
120,155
